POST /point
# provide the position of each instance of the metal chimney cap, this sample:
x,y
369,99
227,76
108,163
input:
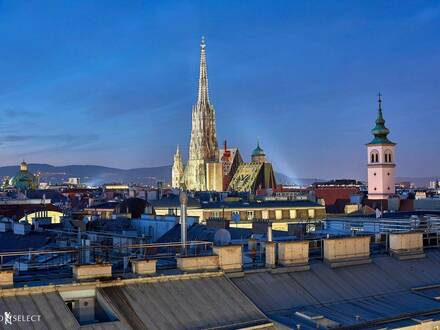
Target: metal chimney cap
x,y
183,197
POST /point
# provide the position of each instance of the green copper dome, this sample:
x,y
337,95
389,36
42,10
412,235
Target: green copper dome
x,y
24,180
379,131
258,151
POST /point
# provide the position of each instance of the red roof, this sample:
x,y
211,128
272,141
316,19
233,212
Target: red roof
x,y
332,194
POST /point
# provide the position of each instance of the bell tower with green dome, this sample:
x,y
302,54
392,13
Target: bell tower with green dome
x,y
258,155
381,160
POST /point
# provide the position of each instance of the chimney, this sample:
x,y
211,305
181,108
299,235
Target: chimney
x,y
183,205
269,232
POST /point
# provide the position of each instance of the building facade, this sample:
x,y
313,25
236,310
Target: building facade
x,y
381,161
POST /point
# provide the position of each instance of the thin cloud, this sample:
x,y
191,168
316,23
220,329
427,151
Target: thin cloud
x,y
18,113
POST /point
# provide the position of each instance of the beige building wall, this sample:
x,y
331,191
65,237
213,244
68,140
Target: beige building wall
x,y
346,248
214,176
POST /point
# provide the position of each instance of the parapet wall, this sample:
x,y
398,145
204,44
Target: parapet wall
x,y
293,253
230,257
95,271
198,263
406,242
143,267
6,278
346,248
407,245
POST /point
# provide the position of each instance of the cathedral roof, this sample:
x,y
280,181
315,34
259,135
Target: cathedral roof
x,y
379,131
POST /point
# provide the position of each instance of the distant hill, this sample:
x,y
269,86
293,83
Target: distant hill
x,y
94,174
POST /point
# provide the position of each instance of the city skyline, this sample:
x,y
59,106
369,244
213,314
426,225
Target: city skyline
x,y
124,84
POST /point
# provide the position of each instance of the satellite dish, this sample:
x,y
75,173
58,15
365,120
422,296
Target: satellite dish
x,y
222,237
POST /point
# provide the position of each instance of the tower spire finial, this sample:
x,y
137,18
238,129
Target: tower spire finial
x,y
203,78
379,100
380,131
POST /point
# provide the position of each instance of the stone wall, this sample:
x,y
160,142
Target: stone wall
x,y
143,267
230,257
293,253
198,263
406,242
83,272
345,248
6,278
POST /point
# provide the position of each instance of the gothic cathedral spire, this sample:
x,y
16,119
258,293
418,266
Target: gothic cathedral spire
x,y
203,96
203,147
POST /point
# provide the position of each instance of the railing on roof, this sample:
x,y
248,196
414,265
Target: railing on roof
x,y
427,224
120,255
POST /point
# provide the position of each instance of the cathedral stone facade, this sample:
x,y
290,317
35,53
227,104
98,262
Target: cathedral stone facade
x,y
203,148
211,169
178,170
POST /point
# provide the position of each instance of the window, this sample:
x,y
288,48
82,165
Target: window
x,y
250,215
374,156
88,306
236,216
387,156
292,214
278,214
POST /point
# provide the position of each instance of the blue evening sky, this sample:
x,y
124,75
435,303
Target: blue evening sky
x,y
113,82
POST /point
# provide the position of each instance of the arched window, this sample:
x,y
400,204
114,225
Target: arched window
x,y
388,156
374,156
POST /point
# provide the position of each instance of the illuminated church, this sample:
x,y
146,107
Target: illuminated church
x,y
210,168
24,180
